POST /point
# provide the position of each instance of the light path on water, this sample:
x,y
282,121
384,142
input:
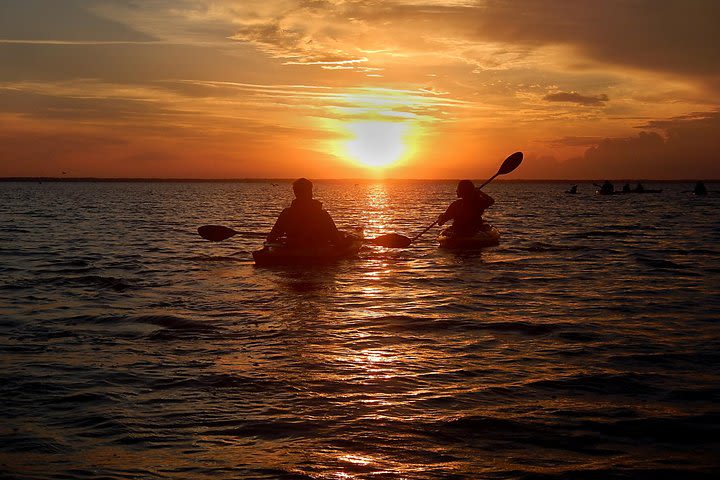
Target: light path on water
x,y
584,346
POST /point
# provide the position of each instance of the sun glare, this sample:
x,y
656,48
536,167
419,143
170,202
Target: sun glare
x,y
376,143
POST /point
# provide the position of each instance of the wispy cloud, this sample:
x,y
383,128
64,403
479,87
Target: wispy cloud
x,y
574,97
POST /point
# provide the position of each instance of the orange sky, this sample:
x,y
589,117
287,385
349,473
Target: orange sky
x,y
359,88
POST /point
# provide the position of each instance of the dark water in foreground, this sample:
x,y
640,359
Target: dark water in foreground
x,y
587,345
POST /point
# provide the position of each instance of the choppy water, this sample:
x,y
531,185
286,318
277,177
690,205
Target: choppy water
x,y
587,345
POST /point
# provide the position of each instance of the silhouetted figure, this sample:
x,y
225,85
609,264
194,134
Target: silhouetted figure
x,y
466,213
304,223
700,189
640,188
626,188
573,189
607,188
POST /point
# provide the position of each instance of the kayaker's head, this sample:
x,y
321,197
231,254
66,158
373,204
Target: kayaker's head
x,y
465,189
302,187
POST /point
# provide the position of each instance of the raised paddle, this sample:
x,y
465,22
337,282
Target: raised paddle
x,y
217,233
394,240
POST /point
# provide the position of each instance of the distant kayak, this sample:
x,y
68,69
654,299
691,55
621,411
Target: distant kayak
x,y
282,254
484,238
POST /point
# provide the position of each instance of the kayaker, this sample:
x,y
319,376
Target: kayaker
x,y
466,212
607,188
304,223
700,189
573,189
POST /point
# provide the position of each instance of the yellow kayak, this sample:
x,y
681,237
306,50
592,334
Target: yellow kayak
x,y
487,237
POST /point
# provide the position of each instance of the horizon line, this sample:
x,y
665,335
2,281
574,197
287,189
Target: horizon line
x,y
350,179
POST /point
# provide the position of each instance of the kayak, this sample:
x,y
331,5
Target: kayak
x,y
488,237
282,254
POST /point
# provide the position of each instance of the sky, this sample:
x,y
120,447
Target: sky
x,y
426,89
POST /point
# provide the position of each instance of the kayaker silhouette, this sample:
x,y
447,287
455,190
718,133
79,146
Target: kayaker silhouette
x,y
700,189
607,188
466,212
304,223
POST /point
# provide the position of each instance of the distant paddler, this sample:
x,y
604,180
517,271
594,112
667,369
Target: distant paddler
x,y
606,188
700,189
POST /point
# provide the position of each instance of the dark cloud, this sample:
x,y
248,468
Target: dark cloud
x,y
667,36
676,37
574,97
68,20
684,147
134,63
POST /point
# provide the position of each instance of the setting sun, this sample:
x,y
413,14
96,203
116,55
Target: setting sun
x,y
377,144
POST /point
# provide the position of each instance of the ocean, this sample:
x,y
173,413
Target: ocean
x,y
585,346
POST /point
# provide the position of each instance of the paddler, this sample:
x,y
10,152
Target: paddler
x,y
304,223
607,188
466,212
700,189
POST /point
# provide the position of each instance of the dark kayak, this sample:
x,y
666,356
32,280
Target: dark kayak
x,y
487,237
281,254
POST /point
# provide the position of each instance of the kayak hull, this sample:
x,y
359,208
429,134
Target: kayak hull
x,y
489,237
279,254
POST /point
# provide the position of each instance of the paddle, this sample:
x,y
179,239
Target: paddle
x,y
217,233
394,240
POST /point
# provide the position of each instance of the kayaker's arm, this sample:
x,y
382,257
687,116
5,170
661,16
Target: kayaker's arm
x,y
333,233
279,229
486,199
449,213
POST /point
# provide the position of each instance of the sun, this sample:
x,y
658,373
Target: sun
x,y
377,143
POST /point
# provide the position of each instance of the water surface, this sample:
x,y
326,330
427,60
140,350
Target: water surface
x,y
587,345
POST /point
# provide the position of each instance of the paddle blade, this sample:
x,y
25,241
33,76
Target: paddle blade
x,y
390,240
215,233
511,163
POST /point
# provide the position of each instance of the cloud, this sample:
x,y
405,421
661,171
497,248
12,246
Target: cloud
x,y
574,97
67,20
685,147
576,141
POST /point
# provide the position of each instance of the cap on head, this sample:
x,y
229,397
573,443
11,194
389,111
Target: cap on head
x,y
465,189
302,187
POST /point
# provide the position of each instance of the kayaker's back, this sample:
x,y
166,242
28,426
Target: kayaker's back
x,y
305,224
